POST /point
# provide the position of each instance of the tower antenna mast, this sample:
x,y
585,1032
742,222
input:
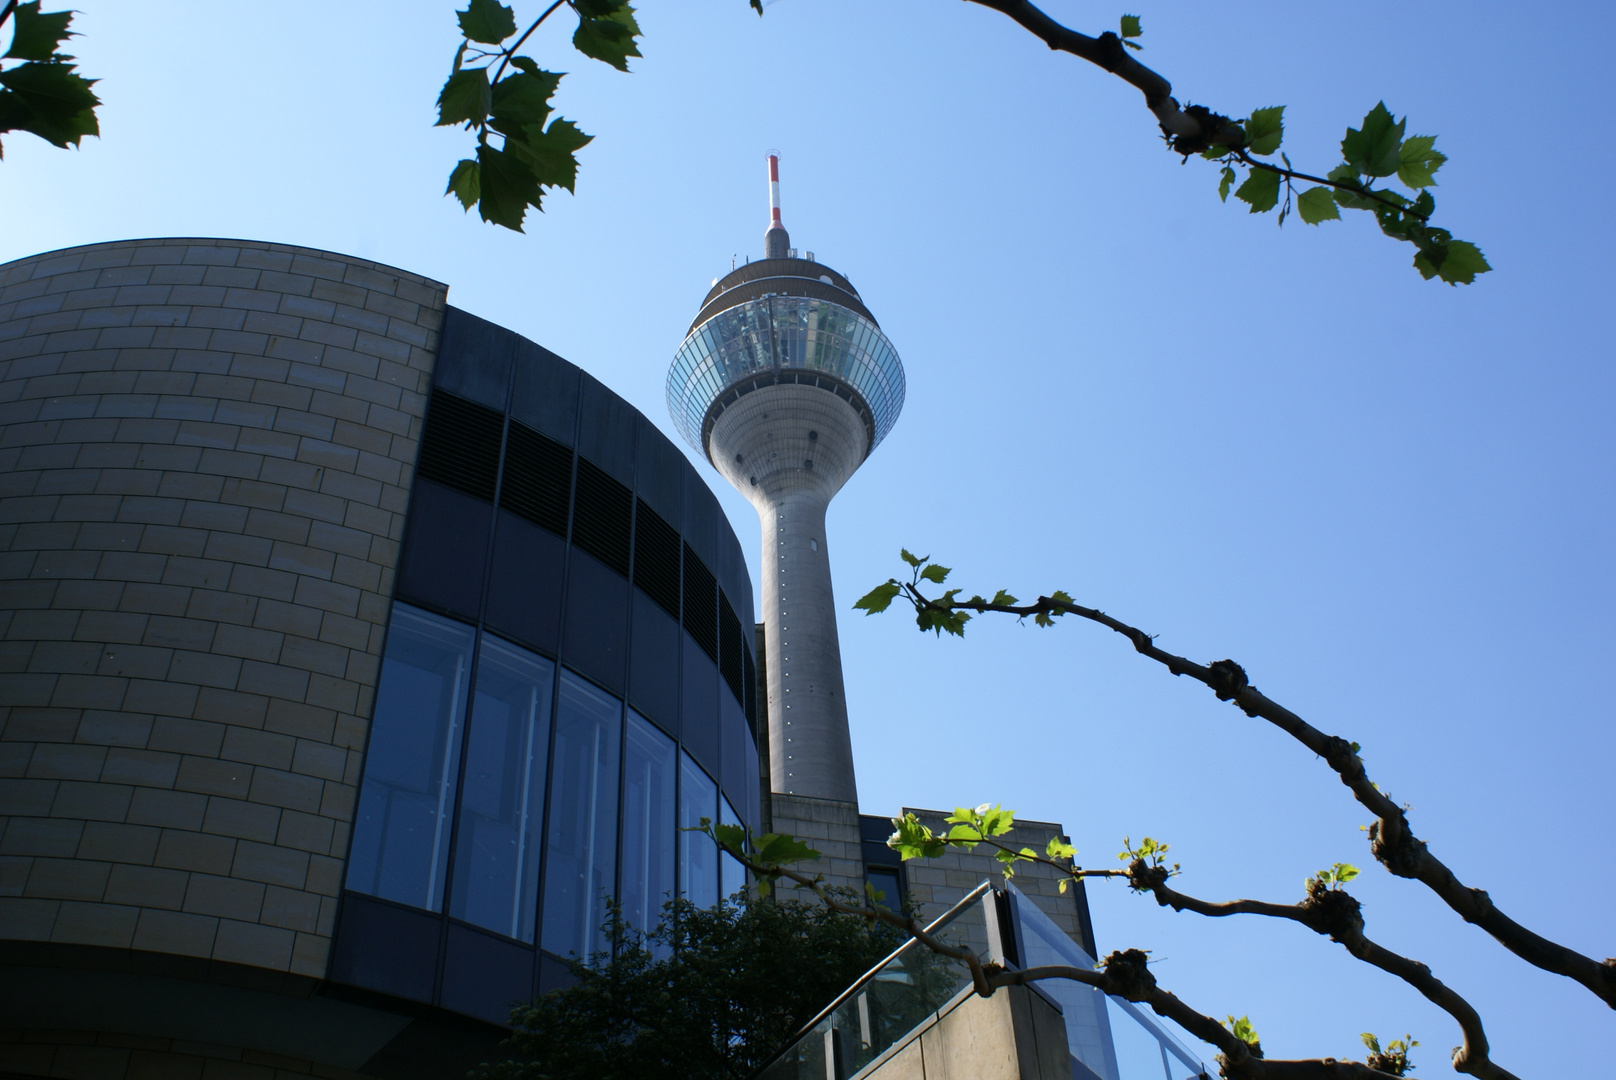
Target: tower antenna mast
x,y
776,241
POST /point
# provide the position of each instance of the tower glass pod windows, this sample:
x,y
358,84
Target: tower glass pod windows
x,y
778,334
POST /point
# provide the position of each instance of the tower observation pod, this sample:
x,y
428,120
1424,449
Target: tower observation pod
x,y
786,383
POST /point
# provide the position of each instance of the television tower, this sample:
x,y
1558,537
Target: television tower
x,y
786,383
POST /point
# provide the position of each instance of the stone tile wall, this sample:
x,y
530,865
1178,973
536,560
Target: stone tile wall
x,y
206,448
829,827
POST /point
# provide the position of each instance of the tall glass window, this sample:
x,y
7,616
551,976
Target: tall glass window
x,y
581,844
731,874
401,833
698,855
496,870
650,764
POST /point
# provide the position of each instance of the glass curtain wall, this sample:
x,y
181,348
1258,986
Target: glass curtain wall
x,y
731,874
496,863
581,845
401,830
698,855
650,774
551,765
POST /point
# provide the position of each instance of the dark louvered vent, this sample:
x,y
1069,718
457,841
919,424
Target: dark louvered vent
x,y
460,445
656,558
731,658
701,603
602,516
538,478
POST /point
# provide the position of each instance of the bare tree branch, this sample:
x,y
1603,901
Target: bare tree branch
x,y
1392,839
1337,915
1108,52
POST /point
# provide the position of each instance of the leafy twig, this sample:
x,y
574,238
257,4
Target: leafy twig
x,y
1377,149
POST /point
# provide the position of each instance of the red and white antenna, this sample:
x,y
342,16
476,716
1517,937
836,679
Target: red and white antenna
x,y
776,241
774,190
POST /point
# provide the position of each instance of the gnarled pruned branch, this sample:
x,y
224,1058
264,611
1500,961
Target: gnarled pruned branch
x,y
1124,973
1108,52
1336,914
1392,839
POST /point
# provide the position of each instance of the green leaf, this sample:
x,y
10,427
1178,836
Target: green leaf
x,y
1002,597
1131,29
465,98
551,154
466,183
730,836
523,99
757,6
1346,174
1457,262
49,99
1317,204
487,21
1223,184
1261,190
1345,871
879,598
508,188
1375,149
913,840
935,573
939,619
1242,1030
1418,160
608,38
912,560
997,821
35,36
1059,849
1265,130
777,849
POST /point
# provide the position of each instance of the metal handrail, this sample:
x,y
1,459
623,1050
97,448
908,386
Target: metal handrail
x,y
964,904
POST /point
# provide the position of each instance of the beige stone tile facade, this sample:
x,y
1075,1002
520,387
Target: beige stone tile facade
x,y
206,448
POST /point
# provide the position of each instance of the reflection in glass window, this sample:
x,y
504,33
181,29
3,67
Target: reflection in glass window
x,y
698,855
496,875
649,763
581,838
401,833
732,875
884,881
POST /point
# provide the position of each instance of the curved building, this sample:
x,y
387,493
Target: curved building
x,y
786,384
355,653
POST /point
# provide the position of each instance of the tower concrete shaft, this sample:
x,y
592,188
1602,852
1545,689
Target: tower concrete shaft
x,y
789,448
786,384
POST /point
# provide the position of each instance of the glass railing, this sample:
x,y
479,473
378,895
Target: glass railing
x,y
898,995
1109,1038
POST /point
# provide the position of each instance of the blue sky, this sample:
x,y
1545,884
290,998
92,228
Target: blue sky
x,y
1390,499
